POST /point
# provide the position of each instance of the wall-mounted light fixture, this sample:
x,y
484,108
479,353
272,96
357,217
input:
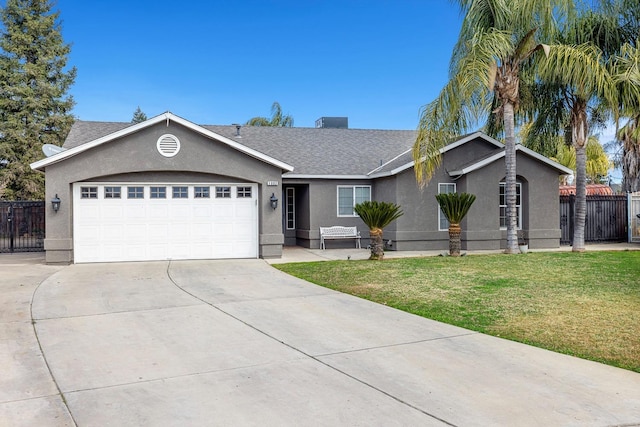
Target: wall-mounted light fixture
x,y
274,201
55,203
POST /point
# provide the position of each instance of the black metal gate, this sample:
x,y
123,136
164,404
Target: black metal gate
x,y
22,226
606,219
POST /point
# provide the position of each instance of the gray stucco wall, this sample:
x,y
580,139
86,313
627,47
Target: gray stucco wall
x,y
322,211
135,158
417,229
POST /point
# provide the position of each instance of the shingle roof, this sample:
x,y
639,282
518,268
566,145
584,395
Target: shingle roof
x,y
312,151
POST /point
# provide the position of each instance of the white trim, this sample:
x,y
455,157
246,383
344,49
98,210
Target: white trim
x,y
443,150
41,164
304,176
440,214
353,201
392,160
544,159
518,185
484,162
286,210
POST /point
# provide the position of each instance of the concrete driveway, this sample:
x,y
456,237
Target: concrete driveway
x,y
235,343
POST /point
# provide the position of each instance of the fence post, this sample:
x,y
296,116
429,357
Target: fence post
x,y
572,206
10,221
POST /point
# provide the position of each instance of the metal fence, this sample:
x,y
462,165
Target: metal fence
x,y
22,226
606,219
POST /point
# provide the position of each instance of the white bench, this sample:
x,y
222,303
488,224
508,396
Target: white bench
x,y
339,232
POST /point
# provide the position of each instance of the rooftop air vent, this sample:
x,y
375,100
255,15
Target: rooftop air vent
x,y
168,145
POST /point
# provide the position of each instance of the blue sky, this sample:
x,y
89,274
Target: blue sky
x,y
221,62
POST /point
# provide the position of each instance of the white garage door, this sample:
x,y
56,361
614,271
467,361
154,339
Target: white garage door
x,y
146,222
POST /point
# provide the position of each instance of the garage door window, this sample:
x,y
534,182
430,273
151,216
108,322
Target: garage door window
x,y
223,192
201,192
244,192
135,192
180,192
111,192
158,192
89,192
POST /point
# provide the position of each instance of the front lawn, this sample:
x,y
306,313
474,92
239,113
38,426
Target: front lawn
x,y
583,304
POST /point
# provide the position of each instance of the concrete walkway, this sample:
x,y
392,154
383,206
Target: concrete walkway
x,y
235,343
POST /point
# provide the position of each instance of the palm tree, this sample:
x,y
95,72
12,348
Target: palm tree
x,y
455,207
277,118
377,215
497,38
576,88
626,74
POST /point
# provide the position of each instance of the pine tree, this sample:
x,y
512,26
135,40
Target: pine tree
x,y
138,116
35,108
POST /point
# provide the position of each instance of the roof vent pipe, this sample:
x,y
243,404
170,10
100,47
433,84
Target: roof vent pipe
x,y
238,131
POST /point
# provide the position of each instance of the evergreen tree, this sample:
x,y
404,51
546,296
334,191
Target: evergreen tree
x,y
35,108
139,116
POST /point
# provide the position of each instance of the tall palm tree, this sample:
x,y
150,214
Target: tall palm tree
x,y
626,74
455,207
277,118
576,89
497,38
377,215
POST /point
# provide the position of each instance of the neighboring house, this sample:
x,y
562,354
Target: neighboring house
x,y
167,188
591,190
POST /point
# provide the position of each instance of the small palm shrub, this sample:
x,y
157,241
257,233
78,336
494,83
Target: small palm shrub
x,y
376,216
455,207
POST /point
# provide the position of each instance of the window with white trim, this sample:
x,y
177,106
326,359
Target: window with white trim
x,y
444,188
291,208
201,192
350,196
180,192
503,206
223,192
243,192
135,192
112,192
158,192
88,192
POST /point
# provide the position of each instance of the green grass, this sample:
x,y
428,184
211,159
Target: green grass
x,y
583,304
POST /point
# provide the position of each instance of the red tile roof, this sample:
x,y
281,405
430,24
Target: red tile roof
x,y
592,190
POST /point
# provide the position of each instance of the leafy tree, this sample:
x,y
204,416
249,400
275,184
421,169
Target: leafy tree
x,y
377,215
455,207
277,118
138,116
598,164
34,106
498,37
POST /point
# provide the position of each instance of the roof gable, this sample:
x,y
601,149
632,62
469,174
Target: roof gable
x,y
405,160
128,130
492,158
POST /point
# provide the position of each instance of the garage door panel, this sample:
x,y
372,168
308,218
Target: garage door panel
x,y
135,232
157,229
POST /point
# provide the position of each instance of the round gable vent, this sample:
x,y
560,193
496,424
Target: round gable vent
x,y
168,145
